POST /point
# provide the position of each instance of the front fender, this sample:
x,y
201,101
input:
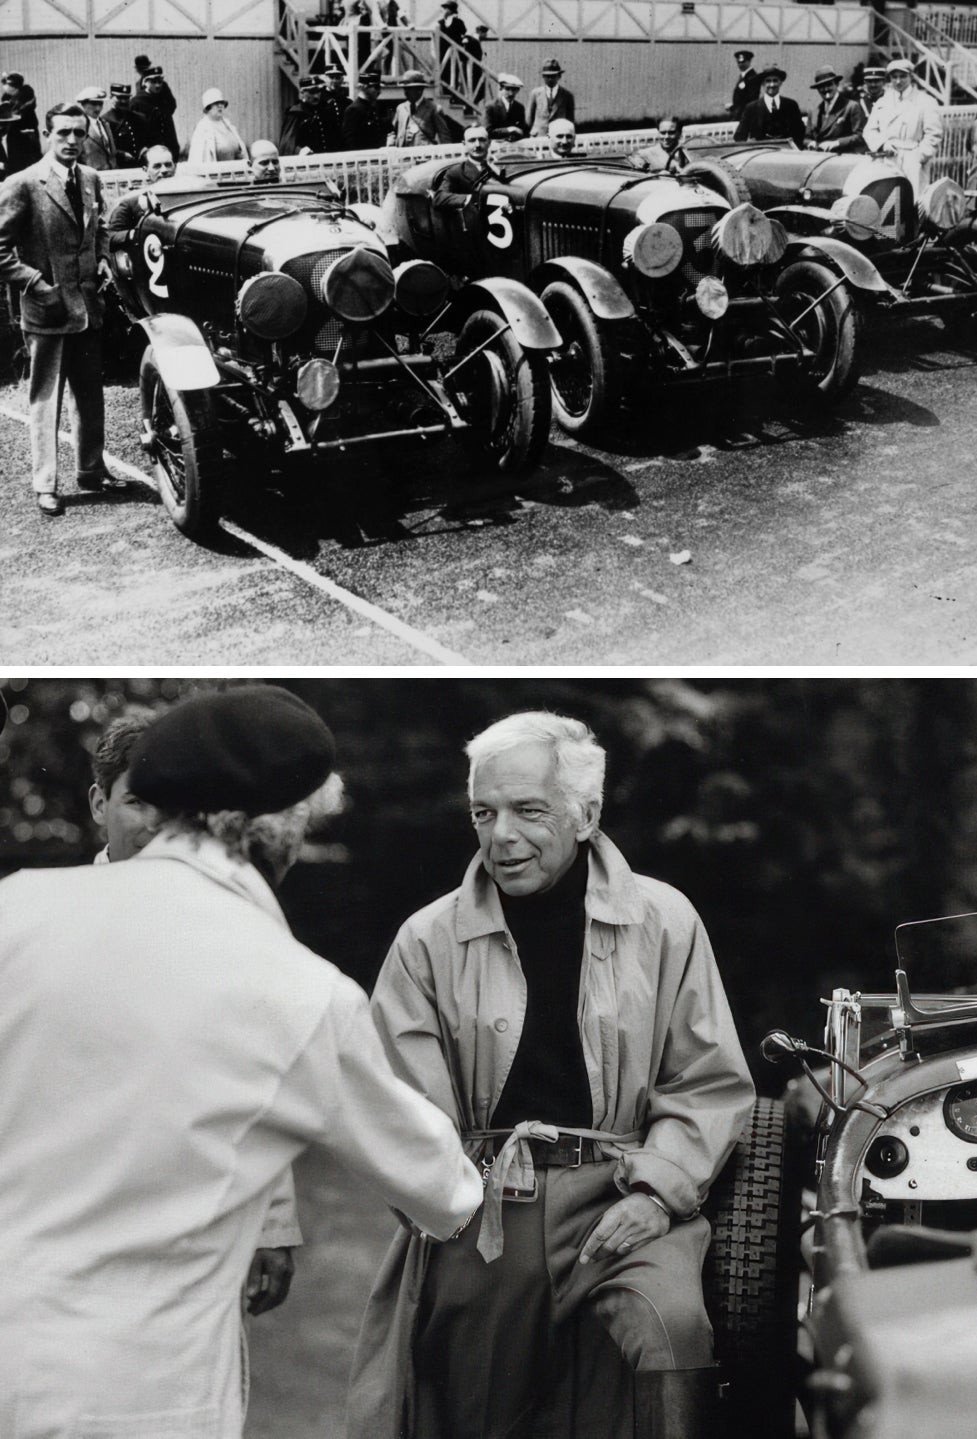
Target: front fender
x,y
524,311
802,219
182,354
840,256
601,290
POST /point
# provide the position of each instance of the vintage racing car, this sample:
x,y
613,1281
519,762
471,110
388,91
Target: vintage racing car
x,y
651,281
279,332
923,253
893,1287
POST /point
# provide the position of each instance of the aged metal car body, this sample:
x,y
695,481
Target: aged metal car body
x,y
920,252
893,1290
640,278
280,333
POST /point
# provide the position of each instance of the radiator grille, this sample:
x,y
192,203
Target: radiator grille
x,y
309,269
695,227
559,237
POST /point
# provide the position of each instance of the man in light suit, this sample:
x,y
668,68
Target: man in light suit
x,y
418,120
549,101
98,151
54,247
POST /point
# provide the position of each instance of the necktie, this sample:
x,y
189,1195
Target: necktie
x,y
73,192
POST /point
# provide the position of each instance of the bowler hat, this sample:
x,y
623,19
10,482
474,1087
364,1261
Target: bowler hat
x,y
552,67
900,67
255,748
742,54
771,71
822,76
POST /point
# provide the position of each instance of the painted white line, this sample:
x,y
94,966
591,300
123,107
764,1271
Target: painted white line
x,y
417,640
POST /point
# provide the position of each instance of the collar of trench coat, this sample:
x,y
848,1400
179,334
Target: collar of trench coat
x,y
612,894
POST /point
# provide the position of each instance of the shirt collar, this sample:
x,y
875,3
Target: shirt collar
x,y
612,894
60,170
207,855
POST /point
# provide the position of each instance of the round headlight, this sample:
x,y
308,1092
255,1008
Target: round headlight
x,y
272,305
654,250
749,237
420,287
859,214
317,384
358,286
943,203
712,297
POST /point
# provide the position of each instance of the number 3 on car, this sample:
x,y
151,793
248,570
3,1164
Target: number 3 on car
x,y
499,227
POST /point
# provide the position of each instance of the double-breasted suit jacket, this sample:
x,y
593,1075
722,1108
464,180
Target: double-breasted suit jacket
x,y
42,244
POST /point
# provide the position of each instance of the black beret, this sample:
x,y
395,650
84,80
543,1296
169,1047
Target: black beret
x,y
256,748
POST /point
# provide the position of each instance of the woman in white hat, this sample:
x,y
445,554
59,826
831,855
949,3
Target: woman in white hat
x,y
215,138
906,125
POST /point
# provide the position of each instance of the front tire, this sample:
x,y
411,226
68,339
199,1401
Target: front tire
x,y
503,392
187,455
583,374
829,326
720,177
752,1274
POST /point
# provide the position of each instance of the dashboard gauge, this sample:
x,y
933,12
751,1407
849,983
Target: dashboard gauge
x,y
960,1111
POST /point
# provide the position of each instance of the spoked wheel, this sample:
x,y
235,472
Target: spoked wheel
x,y
187,454
752,1275
824,317
503,391
583,372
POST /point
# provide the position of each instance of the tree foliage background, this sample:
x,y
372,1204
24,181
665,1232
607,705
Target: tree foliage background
x,y
805,818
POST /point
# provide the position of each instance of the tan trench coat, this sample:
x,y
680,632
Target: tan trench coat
x,y
912,125
166,1050
659,1045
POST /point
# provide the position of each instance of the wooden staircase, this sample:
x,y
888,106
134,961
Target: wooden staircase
x,y
944,67
459,83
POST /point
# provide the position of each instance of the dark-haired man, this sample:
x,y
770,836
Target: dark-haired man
x,y
365,120
747,86
20,142
771,116
837,126
54,248
457,183
155,106
127,129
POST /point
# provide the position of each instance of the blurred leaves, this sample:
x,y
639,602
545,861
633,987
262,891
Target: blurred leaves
x,y
804,818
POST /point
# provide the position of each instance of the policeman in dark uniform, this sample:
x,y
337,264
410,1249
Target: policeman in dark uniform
x,y
128,130
155,108
366,122
747,87
333,104
304,127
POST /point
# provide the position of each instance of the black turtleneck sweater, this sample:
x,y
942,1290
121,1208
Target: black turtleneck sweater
x,y
548,1079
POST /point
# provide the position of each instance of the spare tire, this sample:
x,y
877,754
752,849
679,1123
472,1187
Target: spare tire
x,y
752,1272
721,177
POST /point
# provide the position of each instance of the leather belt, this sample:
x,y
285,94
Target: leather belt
x,y
569,1151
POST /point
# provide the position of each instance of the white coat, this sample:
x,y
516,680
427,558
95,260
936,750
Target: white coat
x,y
909,127
166,1050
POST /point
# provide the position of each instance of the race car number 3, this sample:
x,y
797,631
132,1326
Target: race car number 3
x,y
499,228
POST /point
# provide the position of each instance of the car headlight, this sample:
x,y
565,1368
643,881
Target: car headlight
x,y
712,297
654,250
749,237
943,204
358,286
859,214
272,305
317,384
420,287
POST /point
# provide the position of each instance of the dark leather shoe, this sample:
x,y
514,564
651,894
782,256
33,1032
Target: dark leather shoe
x,y
50,505
104,483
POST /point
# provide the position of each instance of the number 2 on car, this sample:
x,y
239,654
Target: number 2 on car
x,y
155,261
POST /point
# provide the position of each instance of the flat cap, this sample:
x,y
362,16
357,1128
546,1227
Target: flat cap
x,y
91,92
413,77
510,80
255,748
900,67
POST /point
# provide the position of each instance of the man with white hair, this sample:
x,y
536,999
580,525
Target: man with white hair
x,y
562,136
167,1049
568,1016
905,125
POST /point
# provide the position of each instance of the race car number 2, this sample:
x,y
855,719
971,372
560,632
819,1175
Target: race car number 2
x,y
499,226
155,262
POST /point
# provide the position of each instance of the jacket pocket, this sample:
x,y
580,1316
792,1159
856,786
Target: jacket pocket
x,y
161,1424
42,306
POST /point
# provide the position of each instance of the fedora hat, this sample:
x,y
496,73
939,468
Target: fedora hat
x,y
773,71
551,67
822,76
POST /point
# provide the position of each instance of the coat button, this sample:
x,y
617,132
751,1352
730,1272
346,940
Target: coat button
x,y
502,1025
